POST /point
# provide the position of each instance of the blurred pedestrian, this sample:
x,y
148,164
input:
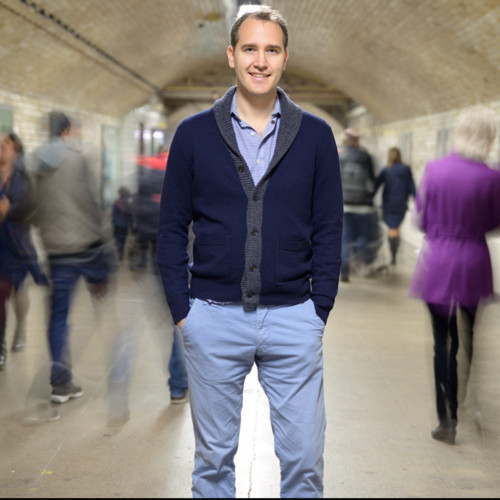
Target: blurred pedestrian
x,y
359,238
150,179
397,180
149,300
145,208
17,253
75,237
457,204
121,216
259,180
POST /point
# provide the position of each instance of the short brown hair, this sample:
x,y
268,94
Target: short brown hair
x,y
261,12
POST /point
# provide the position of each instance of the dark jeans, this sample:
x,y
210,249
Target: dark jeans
x,y
94,265
445,330
143,253
177,366
356,240
120,235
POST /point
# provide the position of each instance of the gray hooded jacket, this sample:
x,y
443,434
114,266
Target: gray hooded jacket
x,y
67,207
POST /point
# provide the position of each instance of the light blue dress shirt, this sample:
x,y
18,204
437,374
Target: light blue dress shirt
x,y
257,152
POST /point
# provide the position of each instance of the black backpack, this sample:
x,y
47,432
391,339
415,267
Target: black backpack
x,y
356,182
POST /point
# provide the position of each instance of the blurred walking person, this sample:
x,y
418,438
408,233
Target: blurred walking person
x,y
457,204
397,180
74,235
146,302
17,253
151,175
121,217
360,234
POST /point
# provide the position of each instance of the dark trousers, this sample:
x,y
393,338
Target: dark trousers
x,y
120,235
356,239
445,331
5,291
94,265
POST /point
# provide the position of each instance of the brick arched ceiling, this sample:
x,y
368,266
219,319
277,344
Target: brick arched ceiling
x,y
398,58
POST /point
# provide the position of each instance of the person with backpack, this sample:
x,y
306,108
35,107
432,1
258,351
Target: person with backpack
x,y
360,218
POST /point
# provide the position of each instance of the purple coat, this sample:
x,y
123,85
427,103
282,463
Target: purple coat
x,y
457,203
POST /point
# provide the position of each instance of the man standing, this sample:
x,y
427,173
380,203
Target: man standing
x,y
360,218
259,178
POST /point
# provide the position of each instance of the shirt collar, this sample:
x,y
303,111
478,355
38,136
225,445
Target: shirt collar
x,y
234,110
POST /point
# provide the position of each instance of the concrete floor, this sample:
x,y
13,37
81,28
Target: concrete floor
x,y
378,389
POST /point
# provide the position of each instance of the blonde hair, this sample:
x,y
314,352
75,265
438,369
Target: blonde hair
x,y
474,132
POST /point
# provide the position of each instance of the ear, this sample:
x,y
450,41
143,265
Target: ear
x,y
286,59
230,56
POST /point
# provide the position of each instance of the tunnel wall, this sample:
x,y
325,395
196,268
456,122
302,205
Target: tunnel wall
x,y
420,139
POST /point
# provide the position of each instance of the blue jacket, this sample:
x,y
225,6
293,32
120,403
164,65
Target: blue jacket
x,y
398,187
277,243
18,255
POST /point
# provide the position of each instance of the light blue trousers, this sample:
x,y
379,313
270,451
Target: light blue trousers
x,y
222,342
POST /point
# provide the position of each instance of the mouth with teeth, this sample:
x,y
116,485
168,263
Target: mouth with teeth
x,y
258,75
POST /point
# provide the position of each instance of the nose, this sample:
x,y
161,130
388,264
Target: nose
x,y
260,59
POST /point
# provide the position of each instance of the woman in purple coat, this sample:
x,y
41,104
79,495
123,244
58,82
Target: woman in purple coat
x,y
457,203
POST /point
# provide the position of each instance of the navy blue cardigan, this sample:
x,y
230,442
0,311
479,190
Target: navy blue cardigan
x,y
277,243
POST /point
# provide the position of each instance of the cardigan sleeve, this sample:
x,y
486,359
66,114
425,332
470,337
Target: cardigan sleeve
x,y
327,225
173,225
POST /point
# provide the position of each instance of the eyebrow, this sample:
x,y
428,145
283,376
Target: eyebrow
x,y
249,45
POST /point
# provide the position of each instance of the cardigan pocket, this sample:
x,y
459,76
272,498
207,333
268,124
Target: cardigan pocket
x,y
292,261
212,258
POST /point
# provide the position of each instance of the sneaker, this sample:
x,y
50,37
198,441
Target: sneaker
x,y
63,393
181,398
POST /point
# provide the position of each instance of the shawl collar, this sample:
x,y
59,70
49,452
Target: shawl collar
x,y
291,118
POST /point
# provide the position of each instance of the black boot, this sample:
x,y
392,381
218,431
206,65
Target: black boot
x,y
392,246
445,431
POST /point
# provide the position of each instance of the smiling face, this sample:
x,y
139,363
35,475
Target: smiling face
x,y
259,58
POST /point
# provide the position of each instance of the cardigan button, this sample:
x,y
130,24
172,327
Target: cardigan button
x,y
240,168
250,294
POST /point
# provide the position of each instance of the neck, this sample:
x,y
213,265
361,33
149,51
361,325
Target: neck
x,y
255,108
